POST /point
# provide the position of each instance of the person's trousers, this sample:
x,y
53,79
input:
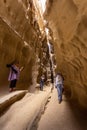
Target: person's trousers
x,y
41,86
13,83
59,90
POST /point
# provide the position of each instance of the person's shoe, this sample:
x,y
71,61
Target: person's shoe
x,y
59,102
10,90
14,89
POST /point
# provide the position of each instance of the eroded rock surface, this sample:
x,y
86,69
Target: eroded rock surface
x,y
20,39
68,21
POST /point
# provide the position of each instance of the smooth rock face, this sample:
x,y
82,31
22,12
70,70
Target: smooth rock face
x,y
68,21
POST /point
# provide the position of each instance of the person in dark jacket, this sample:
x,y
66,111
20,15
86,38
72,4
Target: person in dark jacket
x,y
42,80
52,81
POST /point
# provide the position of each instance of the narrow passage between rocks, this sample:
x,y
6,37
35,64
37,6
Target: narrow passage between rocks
x,y
62,116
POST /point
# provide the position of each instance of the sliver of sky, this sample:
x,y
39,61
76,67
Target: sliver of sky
x,y
43,2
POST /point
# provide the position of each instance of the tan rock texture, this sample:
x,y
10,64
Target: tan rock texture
x,y
18,40
68,21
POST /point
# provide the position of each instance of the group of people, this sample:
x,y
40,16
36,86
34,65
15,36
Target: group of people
x,y
58,83
14,76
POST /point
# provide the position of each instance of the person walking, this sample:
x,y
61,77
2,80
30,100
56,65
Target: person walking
x,y
52,81
59,85
42,80
13,75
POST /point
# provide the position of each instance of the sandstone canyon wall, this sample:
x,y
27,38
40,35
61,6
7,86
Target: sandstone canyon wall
x,y
68,21
20,39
